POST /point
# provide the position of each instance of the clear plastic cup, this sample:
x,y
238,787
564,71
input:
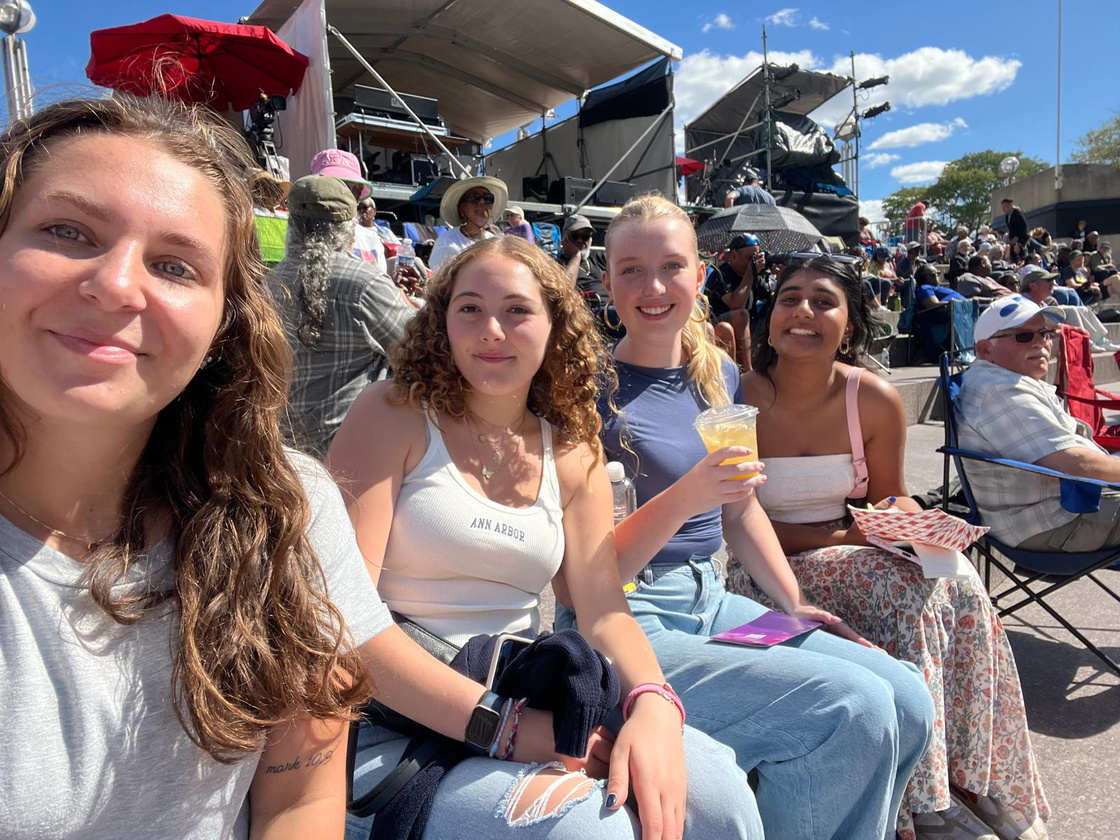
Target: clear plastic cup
x,y
730,425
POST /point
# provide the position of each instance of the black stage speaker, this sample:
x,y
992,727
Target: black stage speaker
x,y
569,190
371,100
534,188
614,194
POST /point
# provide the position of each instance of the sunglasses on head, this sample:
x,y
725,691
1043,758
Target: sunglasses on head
x,y
1027,336
479,198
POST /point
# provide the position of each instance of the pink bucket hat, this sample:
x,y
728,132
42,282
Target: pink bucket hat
x,y
335,163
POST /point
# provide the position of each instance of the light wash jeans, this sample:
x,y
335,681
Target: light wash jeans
x,y
471,800
834,729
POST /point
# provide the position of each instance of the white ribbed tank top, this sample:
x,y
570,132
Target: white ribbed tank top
x,y
460,564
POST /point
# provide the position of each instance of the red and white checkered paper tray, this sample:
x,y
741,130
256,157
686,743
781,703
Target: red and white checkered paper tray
x,y
929,527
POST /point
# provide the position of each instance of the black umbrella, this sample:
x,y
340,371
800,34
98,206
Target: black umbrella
x,y
780,229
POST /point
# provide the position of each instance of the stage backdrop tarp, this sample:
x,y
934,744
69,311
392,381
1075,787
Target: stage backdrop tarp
x,y
307,126
642,99
493,65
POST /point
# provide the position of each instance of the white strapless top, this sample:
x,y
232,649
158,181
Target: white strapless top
x,y
807,489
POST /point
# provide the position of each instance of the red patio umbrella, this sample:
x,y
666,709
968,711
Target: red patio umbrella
x,y
688,166
222,65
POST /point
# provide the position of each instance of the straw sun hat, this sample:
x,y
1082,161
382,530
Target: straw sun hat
x,y
449,204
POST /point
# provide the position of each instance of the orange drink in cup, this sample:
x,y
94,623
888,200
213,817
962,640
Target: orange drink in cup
x,y
730,425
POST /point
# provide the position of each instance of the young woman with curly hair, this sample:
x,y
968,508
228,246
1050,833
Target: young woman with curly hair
x,y
173,665
832,726
476,478
833,433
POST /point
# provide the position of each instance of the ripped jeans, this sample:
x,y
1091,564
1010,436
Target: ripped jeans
x,y
486,798
834,729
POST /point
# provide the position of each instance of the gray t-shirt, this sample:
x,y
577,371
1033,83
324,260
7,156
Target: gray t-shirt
x,y
91,744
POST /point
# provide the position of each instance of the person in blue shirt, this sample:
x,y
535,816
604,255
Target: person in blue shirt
x,y
833,725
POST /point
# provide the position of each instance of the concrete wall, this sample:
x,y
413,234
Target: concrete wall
x,y
1089,191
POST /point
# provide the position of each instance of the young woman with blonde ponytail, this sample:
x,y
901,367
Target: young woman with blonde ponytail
x,y
833,726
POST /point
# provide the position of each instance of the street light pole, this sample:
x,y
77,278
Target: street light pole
x,y
16,18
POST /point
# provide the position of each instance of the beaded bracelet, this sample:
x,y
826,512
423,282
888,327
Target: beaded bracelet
x,y
515,718
493,751
662,689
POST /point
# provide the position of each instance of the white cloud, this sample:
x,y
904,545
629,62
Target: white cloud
x,y
817,23
720,21
926,76
916,135
703,77
784,17
879,159
919,173
872,209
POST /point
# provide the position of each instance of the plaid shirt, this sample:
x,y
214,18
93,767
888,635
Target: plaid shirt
x,y
365,316
1005,414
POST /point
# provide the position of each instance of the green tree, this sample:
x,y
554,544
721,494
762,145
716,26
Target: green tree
x,y
1101,145
962,194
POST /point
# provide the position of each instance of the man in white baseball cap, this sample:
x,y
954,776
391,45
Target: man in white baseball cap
x,y
1007,409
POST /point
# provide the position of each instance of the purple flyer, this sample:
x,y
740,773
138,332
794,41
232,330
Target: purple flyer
x,y
770,628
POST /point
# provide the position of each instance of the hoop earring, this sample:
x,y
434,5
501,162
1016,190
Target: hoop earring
x,y
845,346
607,317
768,341
706,308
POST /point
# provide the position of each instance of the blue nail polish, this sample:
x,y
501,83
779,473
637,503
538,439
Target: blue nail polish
x,y
891,499
611,799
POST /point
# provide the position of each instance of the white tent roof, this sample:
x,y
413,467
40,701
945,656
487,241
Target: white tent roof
x,y
493,65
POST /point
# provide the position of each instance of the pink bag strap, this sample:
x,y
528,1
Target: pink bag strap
x,y
855,433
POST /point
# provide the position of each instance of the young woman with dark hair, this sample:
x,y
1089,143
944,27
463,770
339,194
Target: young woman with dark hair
x,y
831,433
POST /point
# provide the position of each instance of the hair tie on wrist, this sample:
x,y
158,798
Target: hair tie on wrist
x,y
661,689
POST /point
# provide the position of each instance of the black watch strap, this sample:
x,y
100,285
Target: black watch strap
x,y
482,728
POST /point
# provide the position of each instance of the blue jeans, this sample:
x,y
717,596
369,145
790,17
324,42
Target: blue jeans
x,y
834,729
471,799
878,288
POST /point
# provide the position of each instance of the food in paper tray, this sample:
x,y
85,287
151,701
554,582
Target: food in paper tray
x,y
936,537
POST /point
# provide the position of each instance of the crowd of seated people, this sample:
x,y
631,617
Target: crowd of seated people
x,y
198,611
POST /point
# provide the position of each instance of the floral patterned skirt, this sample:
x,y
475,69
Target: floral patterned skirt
x,y
951,632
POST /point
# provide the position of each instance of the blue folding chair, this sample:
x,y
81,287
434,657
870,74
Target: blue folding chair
x,y
1055,570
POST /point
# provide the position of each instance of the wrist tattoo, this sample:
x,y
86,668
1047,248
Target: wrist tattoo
x,y
317,759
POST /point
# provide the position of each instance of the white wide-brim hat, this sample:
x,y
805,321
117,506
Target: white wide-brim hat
x,y
449,204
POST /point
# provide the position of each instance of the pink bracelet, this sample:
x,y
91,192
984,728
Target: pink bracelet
x,y
663,689
515,718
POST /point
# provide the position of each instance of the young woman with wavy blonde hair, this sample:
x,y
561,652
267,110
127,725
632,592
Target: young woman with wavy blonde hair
x,y
833,726
476,478
173,664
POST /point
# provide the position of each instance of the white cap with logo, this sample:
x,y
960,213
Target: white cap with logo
x,y
1009,312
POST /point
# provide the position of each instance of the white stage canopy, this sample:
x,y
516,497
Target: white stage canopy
x,y
494,65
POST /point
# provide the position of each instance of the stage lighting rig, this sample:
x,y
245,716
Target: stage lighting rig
x,y
782,101
784,72
867,84
871,113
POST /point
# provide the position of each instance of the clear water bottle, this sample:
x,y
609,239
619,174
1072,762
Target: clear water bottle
x,y
885,357
406,256
622,488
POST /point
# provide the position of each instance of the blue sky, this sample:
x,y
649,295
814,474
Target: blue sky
x,y
965,76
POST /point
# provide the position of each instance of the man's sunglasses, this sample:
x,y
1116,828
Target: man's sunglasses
x,y
479,198
581,235
1027,336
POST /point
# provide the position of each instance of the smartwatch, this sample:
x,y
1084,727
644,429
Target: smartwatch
x,y
485,720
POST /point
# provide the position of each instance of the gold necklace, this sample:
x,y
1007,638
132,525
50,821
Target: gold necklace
x,y
90,543
496,452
